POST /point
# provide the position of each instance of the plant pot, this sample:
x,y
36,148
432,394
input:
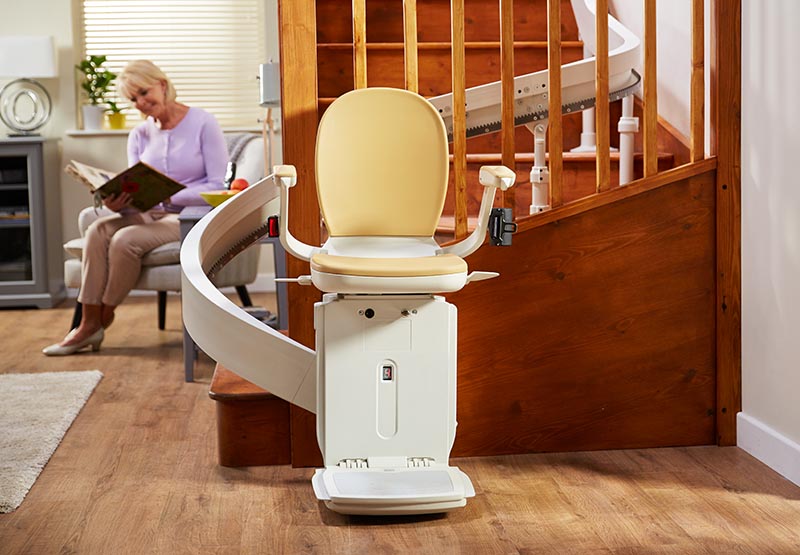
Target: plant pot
x,y
116,121
92,117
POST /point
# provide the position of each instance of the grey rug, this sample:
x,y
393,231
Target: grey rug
x,y
36,410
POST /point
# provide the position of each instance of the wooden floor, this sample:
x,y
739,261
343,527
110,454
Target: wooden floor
x,y
137,473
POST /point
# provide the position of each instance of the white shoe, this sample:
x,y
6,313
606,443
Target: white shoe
x,y
93,340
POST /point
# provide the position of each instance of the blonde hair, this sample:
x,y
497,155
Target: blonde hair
x,y
143,74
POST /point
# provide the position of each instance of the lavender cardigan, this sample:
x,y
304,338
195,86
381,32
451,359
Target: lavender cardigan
x,y
193,153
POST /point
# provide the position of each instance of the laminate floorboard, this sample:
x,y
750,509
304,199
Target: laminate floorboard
x,y
137,473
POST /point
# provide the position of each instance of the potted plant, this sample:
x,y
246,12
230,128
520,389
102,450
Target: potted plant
x,y
95,83
116,118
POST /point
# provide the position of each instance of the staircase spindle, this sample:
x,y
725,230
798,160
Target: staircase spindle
x,y
459,117
507,98
360,43
555,125
602,120
410,45
650,90
698,131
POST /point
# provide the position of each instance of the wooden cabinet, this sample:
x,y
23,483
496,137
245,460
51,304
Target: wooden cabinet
x,y
30,225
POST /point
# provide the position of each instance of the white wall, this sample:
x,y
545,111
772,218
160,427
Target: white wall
x,y
55,17
673,53
770,234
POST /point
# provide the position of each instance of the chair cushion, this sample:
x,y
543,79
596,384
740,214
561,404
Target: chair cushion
x,y
168,253
389,267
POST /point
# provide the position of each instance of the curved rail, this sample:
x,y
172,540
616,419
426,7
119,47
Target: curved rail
x,y
224,331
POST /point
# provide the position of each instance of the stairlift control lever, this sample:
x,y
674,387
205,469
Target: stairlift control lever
x,y
300,280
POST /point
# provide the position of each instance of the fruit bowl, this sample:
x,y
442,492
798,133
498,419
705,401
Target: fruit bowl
x,y
215,198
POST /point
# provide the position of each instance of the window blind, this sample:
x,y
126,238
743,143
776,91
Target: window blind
x,y
210,49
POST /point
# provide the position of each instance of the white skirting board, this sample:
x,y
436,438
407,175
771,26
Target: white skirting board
x,y
264,283
769,446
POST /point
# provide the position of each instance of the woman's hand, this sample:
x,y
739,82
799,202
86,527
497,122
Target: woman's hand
x,y
117,202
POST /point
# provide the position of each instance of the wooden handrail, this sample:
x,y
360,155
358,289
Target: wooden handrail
x,y
459,117
410,45
633,188
507,98
360,43
554,72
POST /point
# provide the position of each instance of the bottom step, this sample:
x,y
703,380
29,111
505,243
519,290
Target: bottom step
x,y
252,424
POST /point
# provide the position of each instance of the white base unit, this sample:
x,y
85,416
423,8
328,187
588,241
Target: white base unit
x,y
386,404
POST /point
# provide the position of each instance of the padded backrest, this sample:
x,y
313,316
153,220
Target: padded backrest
x,y
381,164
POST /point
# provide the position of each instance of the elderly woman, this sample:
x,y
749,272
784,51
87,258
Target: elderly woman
x,y
182,142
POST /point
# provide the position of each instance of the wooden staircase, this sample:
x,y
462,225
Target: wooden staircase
x,y
610,311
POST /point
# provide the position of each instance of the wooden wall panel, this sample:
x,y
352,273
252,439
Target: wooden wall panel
x,y
385,67
599,333
385,21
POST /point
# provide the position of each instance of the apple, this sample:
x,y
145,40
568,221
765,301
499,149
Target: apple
x,y
239,184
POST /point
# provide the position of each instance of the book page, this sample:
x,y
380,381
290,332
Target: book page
x,y
89,175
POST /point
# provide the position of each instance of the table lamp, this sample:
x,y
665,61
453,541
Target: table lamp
x,y
24,103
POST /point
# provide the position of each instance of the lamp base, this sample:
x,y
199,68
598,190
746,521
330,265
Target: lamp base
x,y
24,106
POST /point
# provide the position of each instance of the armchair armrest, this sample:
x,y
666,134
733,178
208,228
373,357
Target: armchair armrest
x,y
491,177
285,178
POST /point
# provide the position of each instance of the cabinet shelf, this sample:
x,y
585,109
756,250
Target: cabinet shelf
x,y
30,224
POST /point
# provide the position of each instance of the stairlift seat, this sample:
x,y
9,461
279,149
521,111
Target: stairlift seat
x,y
350,274
389,267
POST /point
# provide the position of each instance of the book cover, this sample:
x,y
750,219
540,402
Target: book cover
x,y
147,186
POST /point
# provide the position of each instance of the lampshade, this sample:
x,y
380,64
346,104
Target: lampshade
x,y
27,56
24,103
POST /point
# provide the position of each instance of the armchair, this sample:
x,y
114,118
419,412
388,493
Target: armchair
x,y
161,270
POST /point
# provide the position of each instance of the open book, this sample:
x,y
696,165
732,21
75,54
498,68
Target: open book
x,y
146,186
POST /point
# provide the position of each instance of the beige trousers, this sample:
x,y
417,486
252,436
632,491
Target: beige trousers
x,y
112,255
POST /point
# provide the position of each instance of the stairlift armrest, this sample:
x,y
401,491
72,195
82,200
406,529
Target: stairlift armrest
x,y
285,178
499,177
491,177
286,174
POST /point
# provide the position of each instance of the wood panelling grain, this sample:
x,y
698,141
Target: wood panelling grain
x,y
611,317
697,99
602,120
507,133
252,424
482,21
729,211
458,71
385,67
296,19
410,45
359,44
650,86
555,129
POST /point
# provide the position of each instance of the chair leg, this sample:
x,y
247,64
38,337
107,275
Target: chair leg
x,y
162,309
77,315
244,296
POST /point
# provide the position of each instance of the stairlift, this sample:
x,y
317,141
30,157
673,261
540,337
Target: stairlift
x,y
383,379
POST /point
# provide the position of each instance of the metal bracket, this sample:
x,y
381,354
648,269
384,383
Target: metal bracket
x,y
501,227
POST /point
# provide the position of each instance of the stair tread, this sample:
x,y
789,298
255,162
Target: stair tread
x,y
227,385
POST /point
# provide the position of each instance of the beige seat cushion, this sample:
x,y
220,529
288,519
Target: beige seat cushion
x,y
388,267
